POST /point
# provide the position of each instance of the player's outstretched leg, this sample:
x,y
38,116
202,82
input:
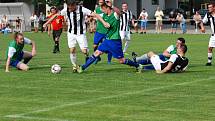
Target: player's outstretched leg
x,y
109,58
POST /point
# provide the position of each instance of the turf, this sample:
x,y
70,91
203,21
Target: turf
x,y
108,92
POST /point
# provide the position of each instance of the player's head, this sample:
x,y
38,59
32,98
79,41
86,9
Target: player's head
x,y
105,8
53,10
19,37
180,41
124,6
101,2
211,6
197,12
182,49
143,10
71,4
109,3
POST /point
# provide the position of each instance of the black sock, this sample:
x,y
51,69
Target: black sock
x,y
26,60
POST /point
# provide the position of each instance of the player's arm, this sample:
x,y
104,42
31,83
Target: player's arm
x,y
166,69
7,64
50,20
33,45
166,52
11,52
204,21
107,25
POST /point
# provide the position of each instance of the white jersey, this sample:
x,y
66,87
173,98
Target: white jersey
x,y
211,19
125,20
76,20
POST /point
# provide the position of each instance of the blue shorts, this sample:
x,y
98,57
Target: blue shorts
x,y
14,63
112,46
98,38
143,24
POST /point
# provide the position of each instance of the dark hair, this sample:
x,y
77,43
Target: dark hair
x,y
17,34
182,40
212,3
144,9
71,2
106,6
53,7
124,3
183,48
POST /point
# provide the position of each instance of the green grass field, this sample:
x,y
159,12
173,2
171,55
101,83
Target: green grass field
x,y
108,92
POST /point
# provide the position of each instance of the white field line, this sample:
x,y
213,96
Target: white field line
x,y
107,97
37,118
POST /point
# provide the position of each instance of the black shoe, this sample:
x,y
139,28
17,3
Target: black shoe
x,y
97,60
208,64
144,32
141,32
55,49
134,55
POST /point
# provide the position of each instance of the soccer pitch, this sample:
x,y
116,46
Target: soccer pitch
x,y
108,92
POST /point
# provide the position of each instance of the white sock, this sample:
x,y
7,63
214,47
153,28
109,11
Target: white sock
x,y
143,57
126,46
73,59
210,57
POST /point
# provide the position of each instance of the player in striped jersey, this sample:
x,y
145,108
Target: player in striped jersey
x,y
126,19
210,18
75,16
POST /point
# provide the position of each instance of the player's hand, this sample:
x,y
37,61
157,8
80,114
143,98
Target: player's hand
x,y
107,25
203,30
44,25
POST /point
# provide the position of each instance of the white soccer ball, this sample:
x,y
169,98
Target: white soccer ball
x,y
56,69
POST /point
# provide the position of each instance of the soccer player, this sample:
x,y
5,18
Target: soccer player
x,y
172,49
125,22
209,18
75,16
176,63
57,27
112,44
101,31
15,53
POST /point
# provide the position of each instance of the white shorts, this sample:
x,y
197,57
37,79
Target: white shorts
x,y
212,41
156,62
80,39
125,35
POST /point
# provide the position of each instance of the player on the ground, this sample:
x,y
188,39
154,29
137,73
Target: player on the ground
x,y
126,20
176,63
75,16
57,27
172,49
15,53
112,44
209,18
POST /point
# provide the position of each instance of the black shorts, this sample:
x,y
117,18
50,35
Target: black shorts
x,y
57,33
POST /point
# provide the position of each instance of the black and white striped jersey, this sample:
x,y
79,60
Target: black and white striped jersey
x,y
76,20
125,20
211,20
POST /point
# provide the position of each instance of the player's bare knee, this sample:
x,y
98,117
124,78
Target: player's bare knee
x,y
97,53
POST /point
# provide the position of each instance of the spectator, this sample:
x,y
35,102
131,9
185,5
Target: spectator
x,y
173,20
198,19
4,21
181,20
18,24
143,18
158,15
35,21
135,24
42,21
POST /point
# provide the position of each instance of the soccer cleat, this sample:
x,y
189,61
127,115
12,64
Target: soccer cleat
x,y
74,69
55,49
208,64
140,68
79,69
134,55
